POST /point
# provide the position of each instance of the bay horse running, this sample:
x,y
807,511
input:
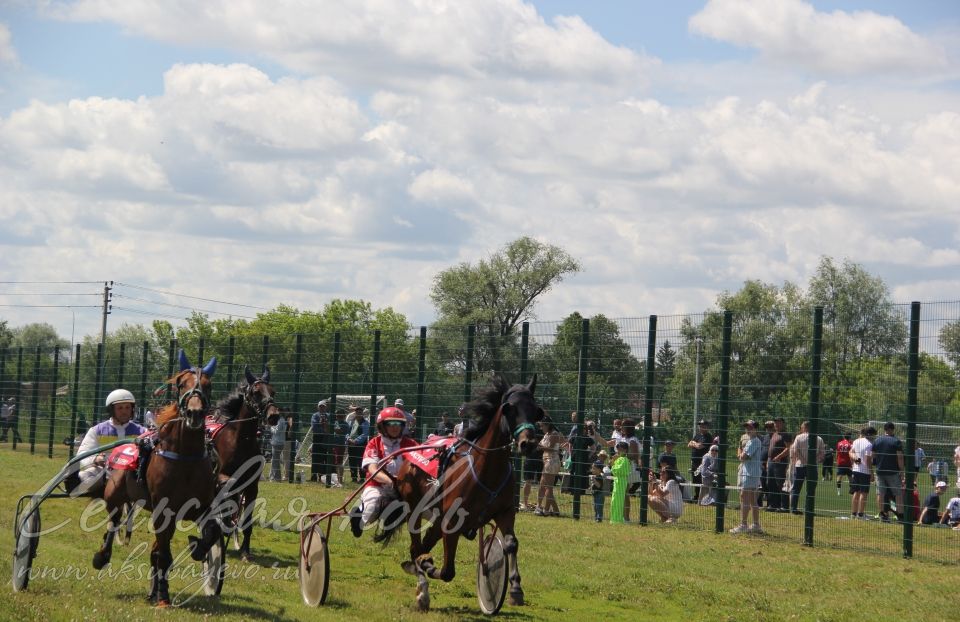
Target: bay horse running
x,y
179,483
477,487
242,415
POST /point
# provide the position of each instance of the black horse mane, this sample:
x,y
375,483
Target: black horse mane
x,y
482,409
228,408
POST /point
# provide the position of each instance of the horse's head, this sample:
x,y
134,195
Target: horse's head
x,y
193,391
258,395
522,412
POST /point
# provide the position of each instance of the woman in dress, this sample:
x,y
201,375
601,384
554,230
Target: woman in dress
x,y
550,446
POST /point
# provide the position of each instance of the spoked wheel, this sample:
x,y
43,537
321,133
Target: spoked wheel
x,y
314,564
492,576
214,566
26,540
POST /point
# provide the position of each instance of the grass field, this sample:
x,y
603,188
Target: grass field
x,y
572,570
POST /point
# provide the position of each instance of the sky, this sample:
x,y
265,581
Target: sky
x,y
296,151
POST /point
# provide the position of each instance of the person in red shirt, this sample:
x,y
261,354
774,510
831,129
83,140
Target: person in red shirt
x,y
843,460
379,489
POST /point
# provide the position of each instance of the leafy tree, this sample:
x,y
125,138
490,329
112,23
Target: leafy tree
x,y
666,363
6,335
950,342
29,336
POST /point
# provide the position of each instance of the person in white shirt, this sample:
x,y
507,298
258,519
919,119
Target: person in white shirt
x,y
665,497
861,455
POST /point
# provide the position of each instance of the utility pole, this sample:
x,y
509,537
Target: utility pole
x,y
107,297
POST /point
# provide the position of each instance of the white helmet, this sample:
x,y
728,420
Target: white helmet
x,y
120,396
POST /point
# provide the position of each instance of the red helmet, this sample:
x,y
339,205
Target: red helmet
x,y
390,414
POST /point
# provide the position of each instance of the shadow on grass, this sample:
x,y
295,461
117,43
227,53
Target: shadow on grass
x,y
207,605
264,560
467,613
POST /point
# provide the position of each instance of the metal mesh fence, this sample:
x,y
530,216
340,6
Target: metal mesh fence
x,y
850,373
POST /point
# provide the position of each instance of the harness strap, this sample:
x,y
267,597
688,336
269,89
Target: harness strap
x,y
476,478
172,455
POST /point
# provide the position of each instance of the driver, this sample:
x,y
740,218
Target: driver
x,y
120,404
379,489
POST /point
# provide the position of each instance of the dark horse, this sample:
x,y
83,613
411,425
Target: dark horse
x,y
180,482
477,487
242,414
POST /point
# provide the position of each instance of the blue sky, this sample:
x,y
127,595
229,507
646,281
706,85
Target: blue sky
x,y
676,148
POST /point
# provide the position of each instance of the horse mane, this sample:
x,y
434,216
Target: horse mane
x,y
228,408
482,409
166,413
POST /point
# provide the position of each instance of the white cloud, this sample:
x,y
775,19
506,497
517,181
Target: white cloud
x,y
793,31
8,53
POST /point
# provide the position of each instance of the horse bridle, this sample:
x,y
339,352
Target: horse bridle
x,y
196,389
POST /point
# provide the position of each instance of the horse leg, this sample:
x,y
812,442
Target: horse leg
x,y
210,531
246,519
160,561
127,534
102,557
511,546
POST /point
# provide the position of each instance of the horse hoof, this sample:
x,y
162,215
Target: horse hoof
x,y
100,560
246,557
409,567
516,600
163,603
423,602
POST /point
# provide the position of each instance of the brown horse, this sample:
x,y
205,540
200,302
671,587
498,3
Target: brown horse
x,y
477,487
180,482
239,461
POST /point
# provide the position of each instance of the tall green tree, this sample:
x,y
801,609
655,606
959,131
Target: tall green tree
x,y
949,340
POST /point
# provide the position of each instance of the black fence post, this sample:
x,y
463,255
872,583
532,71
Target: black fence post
x,y
97,379
53,400
524,364
35,400
144,366
579,457
295,424
648,417
266,352
19,401
468,371
171,356
3,374
74,407
422,381
913,376
334,390
231,346
122,365
812,472
201,346
375,381
723,419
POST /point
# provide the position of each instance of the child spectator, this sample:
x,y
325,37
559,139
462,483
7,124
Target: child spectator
x,y
665,496
931,505
668,456
621,473
596,489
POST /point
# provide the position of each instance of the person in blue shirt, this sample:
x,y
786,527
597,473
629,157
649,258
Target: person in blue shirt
x,y
749,479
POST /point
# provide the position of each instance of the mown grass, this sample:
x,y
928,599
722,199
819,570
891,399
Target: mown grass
x,y
572,570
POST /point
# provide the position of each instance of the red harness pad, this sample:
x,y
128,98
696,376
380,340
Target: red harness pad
x,y
212,427
124,458
426,458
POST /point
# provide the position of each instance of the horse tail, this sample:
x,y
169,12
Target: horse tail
x,y
393,517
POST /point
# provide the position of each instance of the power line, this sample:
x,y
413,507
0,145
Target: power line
x,y
44,294
168,304
169,293
50,282
55,306
150,313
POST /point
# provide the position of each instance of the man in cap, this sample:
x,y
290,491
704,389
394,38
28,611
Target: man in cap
x,y
410,429
668,457
699,446
356,439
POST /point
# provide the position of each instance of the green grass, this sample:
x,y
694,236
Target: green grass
x,y
571,570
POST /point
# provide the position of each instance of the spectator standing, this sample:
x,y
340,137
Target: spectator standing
x,y
444,426
595,489
748,478
409,430
919,457
708,474
319,433
460,428
827,463
699,447
780,443
664,495
861,457
622,466
357,440
550,446
843,461
937,470
930,515
278,438
888,459
8,420
798,461
532,472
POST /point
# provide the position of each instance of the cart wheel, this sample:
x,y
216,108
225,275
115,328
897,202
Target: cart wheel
x,y
492,575
25,549
214,566
314,566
